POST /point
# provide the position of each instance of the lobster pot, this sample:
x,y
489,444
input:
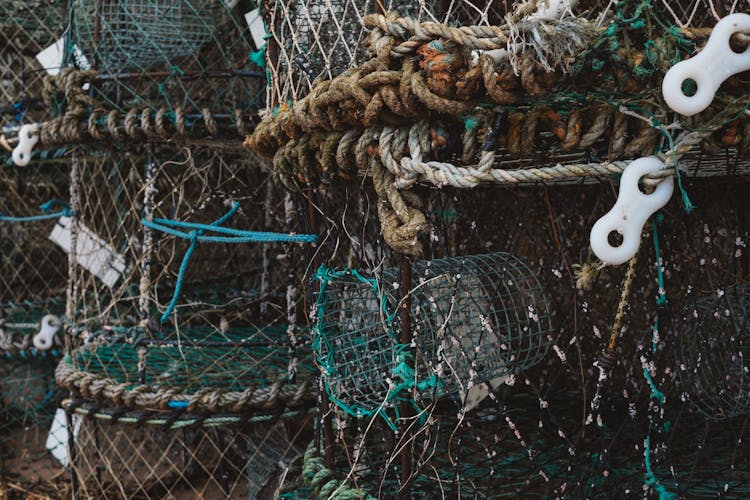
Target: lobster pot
x,y
187,59
26,29
712,338
153,455
475,319
133,270
320,39
33,277
216,405
186,326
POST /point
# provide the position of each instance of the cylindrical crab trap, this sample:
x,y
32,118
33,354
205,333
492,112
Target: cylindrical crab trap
x,y
29,32
136,454
161,68
711,343
476,320
33,277
185,315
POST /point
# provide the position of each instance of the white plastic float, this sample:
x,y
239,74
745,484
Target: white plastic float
x,y
630,213
27,138
714,64
45,338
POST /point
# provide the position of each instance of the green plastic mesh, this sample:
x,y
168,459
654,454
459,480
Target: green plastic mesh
x,y
190,361
190,58
475,319
513,447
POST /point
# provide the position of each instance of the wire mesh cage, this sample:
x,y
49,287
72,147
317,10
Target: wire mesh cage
x,y
182,313
710,350
176,67
475,320
532,94
33,278
603,452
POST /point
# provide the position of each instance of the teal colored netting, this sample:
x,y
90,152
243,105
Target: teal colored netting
x,y
195,358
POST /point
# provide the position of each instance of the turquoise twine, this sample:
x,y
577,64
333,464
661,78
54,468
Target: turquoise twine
x,y
651,480
46,215
196,235
686,203
656,394
402,355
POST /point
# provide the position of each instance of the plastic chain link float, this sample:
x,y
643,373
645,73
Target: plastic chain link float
x,y
27,138
714,64
630,213
50,326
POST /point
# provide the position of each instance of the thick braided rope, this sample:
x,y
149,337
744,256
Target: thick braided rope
x,y
323,481
82,121
279,395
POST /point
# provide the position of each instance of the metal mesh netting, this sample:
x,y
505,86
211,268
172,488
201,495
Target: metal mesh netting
x,y
33,277
187,58
476,320
568,432
710,340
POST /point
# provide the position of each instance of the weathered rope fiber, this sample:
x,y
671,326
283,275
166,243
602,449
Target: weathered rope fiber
x,y
84,121
281,394
323,481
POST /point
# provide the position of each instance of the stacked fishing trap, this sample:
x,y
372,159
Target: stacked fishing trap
x,y
572,363
375,249
33,272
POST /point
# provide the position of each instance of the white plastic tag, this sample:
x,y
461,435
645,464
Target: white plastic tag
x,y
51,58
27,138
630,213
479,392
257,27
714,64
92,253
57,438
45,338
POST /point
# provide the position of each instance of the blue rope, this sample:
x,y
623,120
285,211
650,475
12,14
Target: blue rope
x,y
196,236
46,215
